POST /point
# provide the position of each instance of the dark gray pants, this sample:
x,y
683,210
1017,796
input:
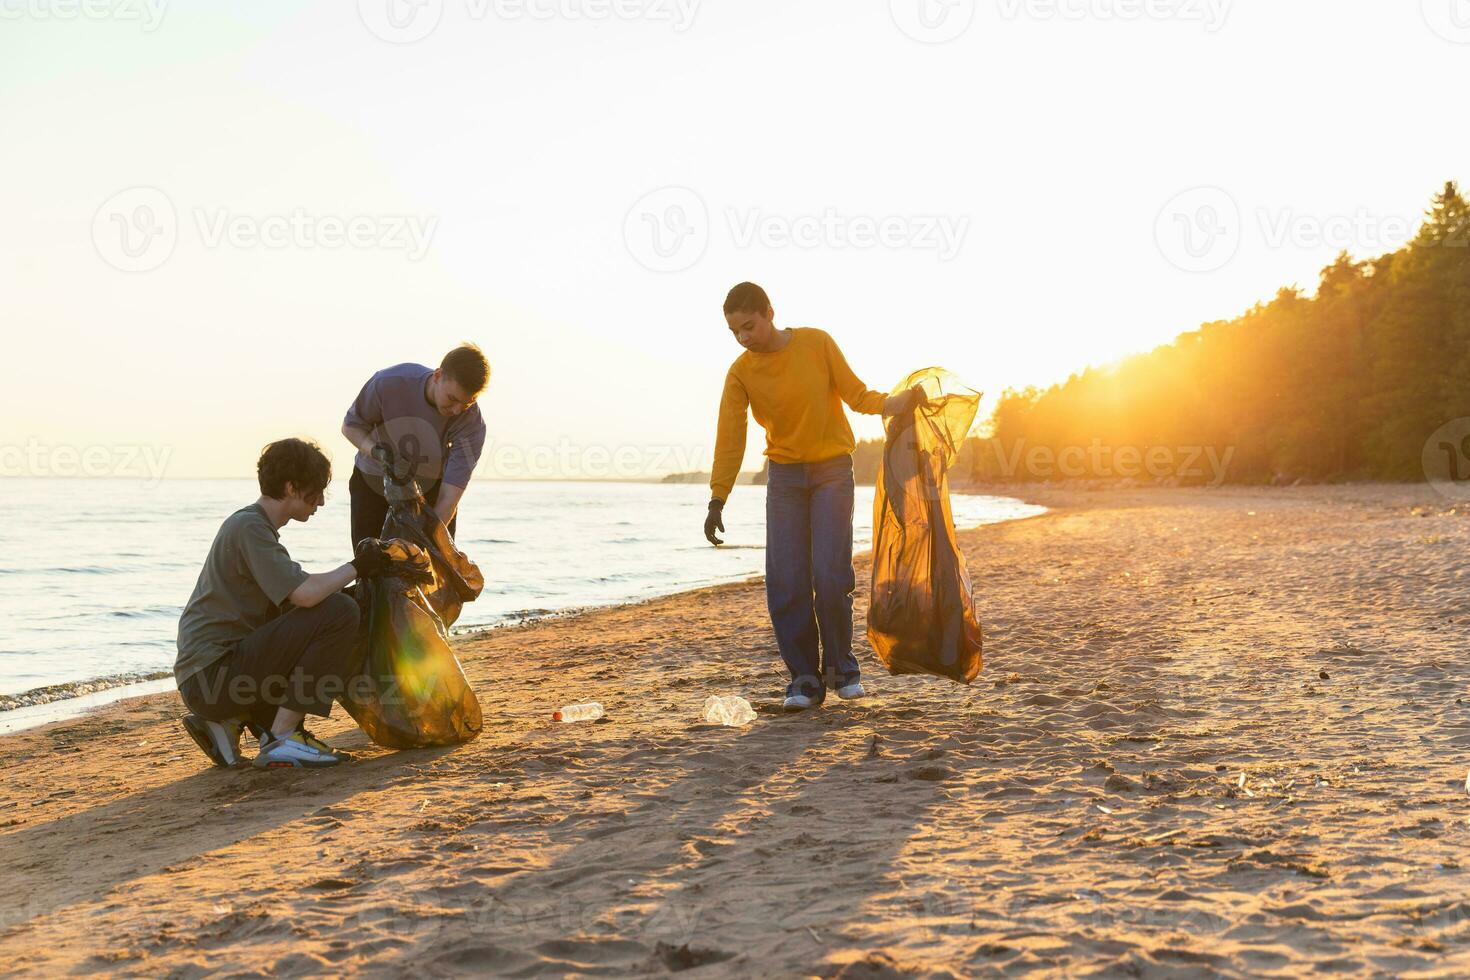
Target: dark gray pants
x,y
300,661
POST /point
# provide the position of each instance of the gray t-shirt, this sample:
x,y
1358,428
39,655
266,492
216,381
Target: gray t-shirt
x,y
245,579
395,408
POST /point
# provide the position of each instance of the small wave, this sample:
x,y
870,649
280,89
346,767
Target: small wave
x,y
146,612
74,570
60,692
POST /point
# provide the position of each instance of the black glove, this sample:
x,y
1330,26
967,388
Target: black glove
x,y
385,457
369,559
714,521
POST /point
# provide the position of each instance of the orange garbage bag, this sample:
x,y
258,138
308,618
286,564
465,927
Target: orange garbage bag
x,y
921,619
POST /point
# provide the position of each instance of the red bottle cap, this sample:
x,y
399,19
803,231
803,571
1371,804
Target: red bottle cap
x,y
556,716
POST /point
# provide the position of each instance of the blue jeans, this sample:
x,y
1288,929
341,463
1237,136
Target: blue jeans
x,y
809,576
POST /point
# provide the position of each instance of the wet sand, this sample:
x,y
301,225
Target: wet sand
x,y
1218,732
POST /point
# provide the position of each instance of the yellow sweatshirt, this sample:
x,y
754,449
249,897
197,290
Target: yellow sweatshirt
x,y
796,395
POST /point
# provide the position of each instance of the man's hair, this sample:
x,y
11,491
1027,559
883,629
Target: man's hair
x,y
747,298
466,366
299,462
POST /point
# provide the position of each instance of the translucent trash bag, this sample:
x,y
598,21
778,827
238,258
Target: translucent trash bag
x,y
921,619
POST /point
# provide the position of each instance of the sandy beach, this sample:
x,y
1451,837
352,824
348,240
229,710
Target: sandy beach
x,y
1218,732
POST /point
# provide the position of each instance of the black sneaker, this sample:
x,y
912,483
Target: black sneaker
x,y
220,740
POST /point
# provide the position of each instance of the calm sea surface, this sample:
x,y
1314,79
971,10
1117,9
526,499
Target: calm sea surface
x,y
94,573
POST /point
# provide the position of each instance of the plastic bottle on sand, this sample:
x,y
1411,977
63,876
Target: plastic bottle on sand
x,y
591,711
728,710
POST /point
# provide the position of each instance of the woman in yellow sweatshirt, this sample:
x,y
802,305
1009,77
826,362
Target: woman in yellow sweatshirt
x,y
794,382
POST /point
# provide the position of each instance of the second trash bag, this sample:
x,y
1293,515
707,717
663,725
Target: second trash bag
x,y
411,691
921,619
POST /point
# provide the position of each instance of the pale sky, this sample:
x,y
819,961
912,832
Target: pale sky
x,y
1014,203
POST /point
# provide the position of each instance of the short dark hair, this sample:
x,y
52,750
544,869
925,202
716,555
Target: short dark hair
x,y
747,298
299,462
466,366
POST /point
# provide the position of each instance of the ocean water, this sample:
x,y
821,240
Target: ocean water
x,y
94,573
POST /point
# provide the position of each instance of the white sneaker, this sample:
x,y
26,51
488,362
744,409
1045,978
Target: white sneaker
x,y
798,702
851,692
294,751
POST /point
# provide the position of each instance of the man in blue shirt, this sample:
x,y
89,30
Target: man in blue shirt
x,y
424,425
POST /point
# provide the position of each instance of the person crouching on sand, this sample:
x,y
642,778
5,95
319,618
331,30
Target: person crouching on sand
x,y
243,659
794,382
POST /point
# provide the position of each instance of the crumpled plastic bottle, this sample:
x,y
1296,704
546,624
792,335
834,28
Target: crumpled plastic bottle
x,y
728,710
590,711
